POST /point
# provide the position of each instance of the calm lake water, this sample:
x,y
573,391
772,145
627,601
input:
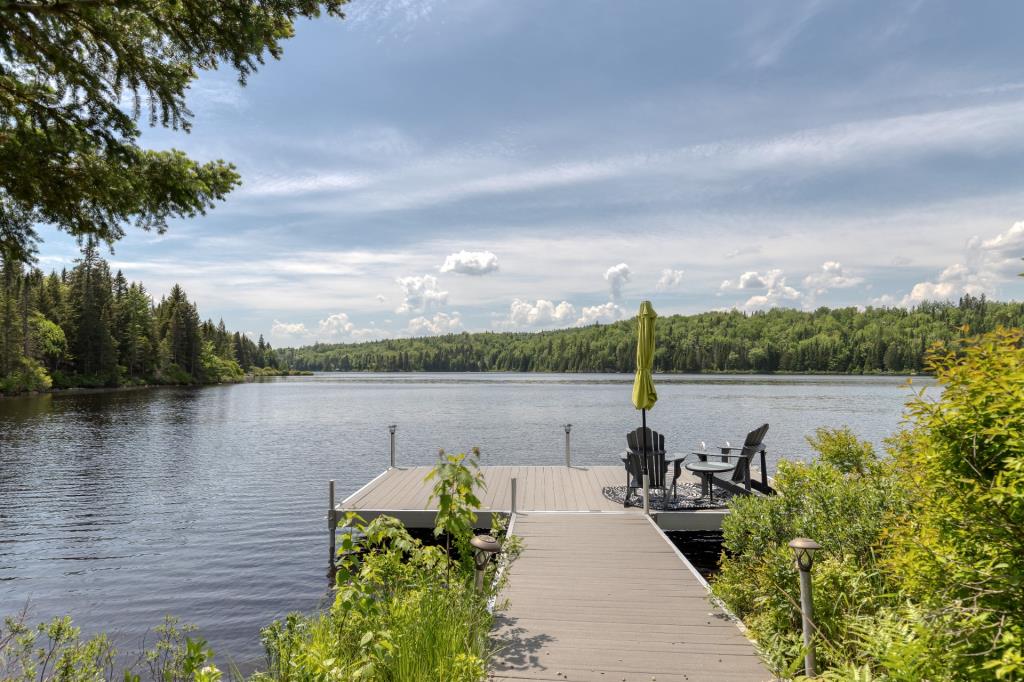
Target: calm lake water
x,y
209,503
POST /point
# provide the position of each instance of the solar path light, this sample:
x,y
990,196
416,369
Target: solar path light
x,y
803,553
484,547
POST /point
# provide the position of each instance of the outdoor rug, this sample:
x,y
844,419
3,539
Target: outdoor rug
x,y
687,497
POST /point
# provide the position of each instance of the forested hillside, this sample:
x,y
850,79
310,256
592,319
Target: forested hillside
x,y
844,340
86,327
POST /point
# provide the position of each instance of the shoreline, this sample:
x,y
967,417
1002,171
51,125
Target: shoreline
x,y
250,378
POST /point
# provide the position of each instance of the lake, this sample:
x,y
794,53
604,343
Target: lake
x,y
209,503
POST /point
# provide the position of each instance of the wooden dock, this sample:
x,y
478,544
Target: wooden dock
x,y
607,597
600,592
402,492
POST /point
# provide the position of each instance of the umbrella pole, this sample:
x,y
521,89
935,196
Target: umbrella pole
x,y
643,468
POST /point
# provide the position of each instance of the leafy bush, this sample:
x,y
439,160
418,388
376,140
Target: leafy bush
x,y
403,611
959,550
846,512
56,651
218,370
29,376
921,573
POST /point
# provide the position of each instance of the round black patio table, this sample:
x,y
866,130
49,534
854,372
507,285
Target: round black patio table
x,y
707,471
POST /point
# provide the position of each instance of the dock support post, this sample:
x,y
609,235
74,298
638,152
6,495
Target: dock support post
x,y
332,521
647,494
391,429
513,495
568,428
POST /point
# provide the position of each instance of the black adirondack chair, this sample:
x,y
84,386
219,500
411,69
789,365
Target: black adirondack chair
x,y
753,444
657,465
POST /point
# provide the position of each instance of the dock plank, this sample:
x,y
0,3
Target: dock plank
x,y
604,596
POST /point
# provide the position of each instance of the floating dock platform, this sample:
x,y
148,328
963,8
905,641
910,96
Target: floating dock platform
x,y
403,493
600,592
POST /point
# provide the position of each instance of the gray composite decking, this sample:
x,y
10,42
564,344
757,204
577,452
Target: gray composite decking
x,y
539,488
600,593
606,597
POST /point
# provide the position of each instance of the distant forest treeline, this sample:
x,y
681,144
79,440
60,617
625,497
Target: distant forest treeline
x,y
86,327
842,340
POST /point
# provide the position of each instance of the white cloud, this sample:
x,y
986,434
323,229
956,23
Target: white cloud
x,y
540,313
381,298
420,294
606,312
617,276
884,301
773,281
470,263
288,329
831,276
440,323
752,280
985,264
335,326
669,279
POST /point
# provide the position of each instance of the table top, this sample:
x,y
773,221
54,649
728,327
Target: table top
x,y
710,466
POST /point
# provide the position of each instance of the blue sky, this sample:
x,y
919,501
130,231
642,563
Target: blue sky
x,y
434,166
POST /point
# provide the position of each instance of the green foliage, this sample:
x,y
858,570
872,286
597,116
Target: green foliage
x,y
48,342
456,479
56,651
403,611
842,340
922,567
960,548
846,512
69,153
27,377
842,449
89,328
218,370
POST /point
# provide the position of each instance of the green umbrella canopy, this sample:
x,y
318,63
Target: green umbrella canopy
x,y
644,395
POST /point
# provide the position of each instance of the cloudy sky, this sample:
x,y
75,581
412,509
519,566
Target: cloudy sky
x,y
435,165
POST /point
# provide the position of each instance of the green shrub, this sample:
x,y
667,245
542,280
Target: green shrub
x,y
921,573
959,550
218,370
403,611
56,651
846,513
29,376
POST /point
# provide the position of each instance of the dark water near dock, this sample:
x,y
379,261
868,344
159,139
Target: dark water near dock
x,y
209,503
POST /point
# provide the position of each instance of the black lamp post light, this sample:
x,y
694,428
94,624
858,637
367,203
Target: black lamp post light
x,y
484,548
803,554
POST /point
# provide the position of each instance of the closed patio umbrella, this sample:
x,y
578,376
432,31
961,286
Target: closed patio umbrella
x,y
644,395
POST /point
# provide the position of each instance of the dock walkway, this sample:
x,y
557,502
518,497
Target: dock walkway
x,y
600,593
605,596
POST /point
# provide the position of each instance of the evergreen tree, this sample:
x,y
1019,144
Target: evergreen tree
x,y
90,308
69,152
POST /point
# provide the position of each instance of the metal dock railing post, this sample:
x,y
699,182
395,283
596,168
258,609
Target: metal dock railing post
x,y
332,520
513,495
392,428
568,428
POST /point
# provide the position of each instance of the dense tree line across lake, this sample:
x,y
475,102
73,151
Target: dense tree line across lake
x,y
86,327
841,340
